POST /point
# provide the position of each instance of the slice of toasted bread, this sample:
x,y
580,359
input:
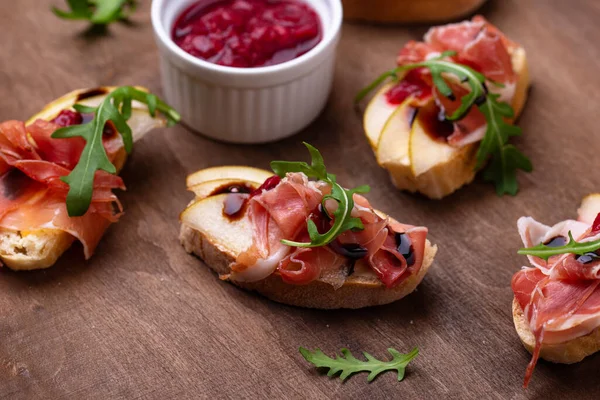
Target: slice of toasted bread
x,y
40,248
208,234
568,352
409,11
448,168
32,250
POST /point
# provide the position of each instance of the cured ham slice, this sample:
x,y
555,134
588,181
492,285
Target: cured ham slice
x,y
469,129
48,211
414,52
277,214
32,195
479,45
560,298
282,212
305,265
533,233
16,189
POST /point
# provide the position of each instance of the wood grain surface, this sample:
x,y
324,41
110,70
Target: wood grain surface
x,y
143,319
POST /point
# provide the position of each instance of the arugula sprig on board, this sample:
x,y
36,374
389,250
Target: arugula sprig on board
x,y
117,108
342,219
98,12
573,247
347,364
505,158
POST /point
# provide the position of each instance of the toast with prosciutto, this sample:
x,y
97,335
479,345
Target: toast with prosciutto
x,y
300,238
58,171
556,307
447,110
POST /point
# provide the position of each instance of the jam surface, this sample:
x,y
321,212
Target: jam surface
x,y
434,123
411,85
247,33
69,117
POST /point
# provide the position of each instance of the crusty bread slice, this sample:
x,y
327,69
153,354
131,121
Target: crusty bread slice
x,y
32,250
456,167
40,248
409,11
209,235
565,353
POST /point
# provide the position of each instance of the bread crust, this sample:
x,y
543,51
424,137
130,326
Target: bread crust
x,y
36,250
409,11
441,180
357,292
568,352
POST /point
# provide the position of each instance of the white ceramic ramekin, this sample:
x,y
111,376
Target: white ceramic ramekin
x,y
247,105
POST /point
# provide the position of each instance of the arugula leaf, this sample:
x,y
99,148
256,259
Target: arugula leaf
x,y
98,12
545,252
116,107
342,220
347,364
79,10
505,158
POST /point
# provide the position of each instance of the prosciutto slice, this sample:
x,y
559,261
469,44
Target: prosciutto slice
x,y
282,212
32,195
479,45
560,298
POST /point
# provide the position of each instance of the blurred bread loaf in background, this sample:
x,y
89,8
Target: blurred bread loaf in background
x,y
409,11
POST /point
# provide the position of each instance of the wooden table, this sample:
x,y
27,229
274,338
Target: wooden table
x,y
143,319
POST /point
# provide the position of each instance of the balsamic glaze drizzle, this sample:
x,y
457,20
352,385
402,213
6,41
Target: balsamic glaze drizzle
x,y
405,247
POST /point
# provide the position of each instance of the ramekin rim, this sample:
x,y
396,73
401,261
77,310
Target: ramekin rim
x,y
329,39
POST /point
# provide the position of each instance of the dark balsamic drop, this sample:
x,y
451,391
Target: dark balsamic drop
x,y
405,247
412,115
588,258
91,93
323,212
350,268
434,123
557,241
353,251
238,187
235,205
480,100
109,129
13,183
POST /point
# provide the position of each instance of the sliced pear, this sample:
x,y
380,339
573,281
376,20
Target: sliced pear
x,y
239,173
589,209
424,151
208,188
206,215
377,113
392,147
141,122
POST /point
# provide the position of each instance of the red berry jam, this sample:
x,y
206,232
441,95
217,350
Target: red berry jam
x,y
68,118
411,85
269,184
247,33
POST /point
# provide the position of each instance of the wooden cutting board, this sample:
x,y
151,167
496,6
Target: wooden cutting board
x,y
143,319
